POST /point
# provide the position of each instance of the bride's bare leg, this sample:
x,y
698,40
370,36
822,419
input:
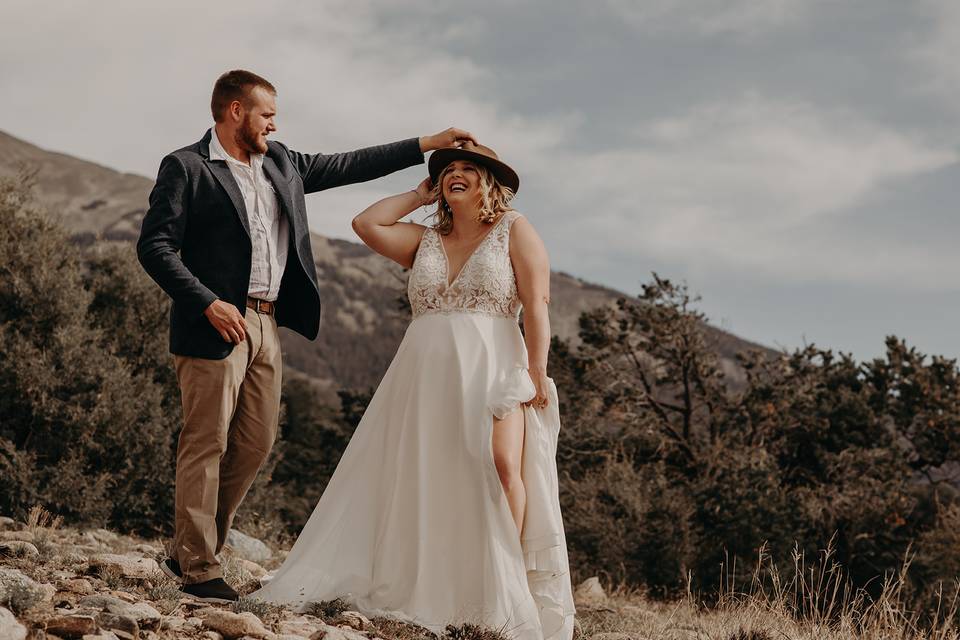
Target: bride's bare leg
x,y
507,455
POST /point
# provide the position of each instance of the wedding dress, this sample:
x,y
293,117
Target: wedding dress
x,y
414,524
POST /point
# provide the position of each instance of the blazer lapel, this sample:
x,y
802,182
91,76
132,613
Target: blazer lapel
x,y
282,187
220,169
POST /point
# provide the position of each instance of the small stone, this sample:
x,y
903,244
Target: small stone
x,y
248,547
123,595
124,626
100,601
589,593
328,632
194,623
79,586
354,620
145,615
232,625
173,624
10,627
103,635
18,549
127,566
74,626
211,635
298,627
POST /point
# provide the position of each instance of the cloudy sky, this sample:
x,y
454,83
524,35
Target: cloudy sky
x,y
795,161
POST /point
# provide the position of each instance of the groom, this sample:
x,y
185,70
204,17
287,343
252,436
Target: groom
x,y
227,237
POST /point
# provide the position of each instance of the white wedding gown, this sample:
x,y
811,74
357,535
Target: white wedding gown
x,y
414,524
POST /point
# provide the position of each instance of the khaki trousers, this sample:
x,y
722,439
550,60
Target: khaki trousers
x,y
231,409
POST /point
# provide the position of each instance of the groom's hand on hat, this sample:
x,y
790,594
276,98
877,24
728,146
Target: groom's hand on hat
x,y
451,137
227,320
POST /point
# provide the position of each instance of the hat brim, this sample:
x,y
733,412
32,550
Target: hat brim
x,y
501,171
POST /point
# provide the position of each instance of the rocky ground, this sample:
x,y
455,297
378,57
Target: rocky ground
x,y
60,582
76,584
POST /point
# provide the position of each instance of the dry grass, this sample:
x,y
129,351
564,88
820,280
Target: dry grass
x,y
42,526
815,602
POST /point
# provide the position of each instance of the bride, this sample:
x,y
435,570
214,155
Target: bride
x,y
444,506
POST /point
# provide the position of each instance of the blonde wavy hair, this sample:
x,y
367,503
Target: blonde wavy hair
x,y
494,199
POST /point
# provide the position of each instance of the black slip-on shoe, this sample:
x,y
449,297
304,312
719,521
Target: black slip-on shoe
x,y
172,568
215,590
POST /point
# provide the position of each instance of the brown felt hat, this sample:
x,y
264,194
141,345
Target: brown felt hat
x,y
475,153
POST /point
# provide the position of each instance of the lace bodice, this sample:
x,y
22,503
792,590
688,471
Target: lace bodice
x,y
486,283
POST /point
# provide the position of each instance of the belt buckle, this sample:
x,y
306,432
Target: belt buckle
x,y
258,304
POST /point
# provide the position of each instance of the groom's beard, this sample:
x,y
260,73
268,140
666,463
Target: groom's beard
x,y
249,140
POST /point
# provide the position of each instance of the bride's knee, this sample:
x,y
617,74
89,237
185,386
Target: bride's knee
x,y
508,469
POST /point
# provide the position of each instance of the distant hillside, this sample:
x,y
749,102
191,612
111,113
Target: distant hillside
x,y
363,317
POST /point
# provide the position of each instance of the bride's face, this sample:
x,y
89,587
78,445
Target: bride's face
x,y
461,183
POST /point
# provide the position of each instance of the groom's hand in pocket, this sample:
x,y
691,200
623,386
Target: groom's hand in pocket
x,y
227,320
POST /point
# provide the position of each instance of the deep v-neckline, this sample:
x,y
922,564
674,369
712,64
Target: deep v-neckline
x,y
463,267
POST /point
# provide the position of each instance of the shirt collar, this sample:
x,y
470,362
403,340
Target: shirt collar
x,y
217,152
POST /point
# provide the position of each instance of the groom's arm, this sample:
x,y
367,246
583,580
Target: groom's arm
x,y
321,171
324,171
161,236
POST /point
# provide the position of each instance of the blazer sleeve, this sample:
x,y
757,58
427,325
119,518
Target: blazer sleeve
x,y
161,236
323,171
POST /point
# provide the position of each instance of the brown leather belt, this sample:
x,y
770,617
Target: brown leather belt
x,y
260,306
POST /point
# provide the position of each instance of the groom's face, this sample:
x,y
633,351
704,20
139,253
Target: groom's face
x,y
257,121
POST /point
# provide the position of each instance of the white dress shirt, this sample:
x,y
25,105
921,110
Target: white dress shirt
x,y
268,226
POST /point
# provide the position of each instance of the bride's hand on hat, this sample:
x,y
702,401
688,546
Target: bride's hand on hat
x,y
451,137
425,192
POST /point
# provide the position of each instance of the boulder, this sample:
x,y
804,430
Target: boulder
x,y
10,627
72,626
248,547
590,594
127,566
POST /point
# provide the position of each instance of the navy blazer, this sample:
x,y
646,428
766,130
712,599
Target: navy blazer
x,y
195,239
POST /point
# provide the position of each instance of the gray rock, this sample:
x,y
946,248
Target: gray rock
x,y
174,624
79,586
10,627
145,615
329,632
16,586
248,547
124,626
232,625
127,566
589,593
299,627
100,601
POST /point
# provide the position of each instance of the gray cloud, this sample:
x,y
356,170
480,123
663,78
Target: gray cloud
x,y
773,153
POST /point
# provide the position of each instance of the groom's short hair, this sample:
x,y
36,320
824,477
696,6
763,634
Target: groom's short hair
x,y
235,85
